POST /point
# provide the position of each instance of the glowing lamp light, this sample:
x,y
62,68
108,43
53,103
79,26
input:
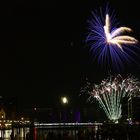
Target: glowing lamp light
x,y
64,100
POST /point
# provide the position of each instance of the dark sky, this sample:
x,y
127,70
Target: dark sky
x,y
42,50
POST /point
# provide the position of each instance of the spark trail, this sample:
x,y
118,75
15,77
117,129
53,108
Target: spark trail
x,y
109,43
111,91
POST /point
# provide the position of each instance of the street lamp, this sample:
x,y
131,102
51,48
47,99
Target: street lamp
x,y
64,100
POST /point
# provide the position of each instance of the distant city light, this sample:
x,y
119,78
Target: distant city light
x,y
22,118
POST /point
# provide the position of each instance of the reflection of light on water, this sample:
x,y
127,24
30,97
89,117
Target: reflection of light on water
x,y
35,133
5,133
21,132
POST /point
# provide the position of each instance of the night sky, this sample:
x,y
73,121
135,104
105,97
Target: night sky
x,y
42,49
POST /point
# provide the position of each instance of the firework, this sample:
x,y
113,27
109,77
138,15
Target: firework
x,y
108,42
110,92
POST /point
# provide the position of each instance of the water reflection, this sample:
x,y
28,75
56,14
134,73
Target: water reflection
x,y
18,134
42,133
102,132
